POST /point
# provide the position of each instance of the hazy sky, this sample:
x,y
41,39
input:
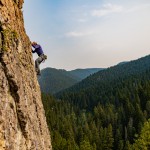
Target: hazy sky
x,y
89,33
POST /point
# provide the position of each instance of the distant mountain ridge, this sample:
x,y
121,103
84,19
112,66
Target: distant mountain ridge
x,y
122,63
105,80
54,80
83,73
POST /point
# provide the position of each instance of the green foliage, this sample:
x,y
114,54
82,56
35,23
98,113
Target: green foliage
x,y
14,34
115,82
143,141
103,112
83,73
8,37
55,80
85,145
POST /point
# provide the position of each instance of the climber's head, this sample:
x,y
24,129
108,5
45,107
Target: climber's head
x,y
34,43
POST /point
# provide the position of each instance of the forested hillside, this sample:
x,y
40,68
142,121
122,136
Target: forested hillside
x,y
83,73
106,85
104,111
54,80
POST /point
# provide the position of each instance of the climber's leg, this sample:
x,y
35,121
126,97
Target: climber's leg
x,y
37,65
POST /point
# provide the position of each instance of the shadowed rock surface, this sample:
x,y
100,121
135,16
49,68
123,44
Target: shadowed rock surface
x,y
22,117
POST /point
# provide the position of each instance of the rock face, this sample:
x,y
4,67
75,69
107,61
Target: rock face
x,y
22,117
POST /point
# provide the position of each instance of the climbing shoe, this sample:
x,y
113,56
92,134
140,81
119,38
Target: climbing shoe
x,y
38,73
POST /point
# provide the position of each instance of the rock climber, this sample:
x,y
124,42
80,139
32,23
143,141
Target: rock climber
x,y
38,49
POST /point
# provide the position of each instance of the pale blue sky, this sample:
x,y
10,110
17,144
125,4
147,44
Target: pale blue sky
x,y
89,33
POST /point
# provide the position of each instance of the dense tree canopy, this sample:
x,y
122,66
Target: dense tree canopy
x,y
143,141
103,112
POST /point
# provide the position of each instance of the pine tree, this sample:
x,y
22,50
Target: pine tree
x,y
148,108
143,141
110,139
85,145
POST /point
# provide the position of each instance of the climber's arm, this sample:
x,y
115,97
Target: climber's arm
x,y
35,48
33,51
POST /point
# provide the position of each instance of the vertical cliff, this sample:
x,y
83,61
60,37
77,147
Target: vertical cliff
x,y
22,119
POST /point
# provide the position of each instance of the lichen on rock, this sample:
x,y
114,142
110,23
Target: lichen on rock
x,y
22,117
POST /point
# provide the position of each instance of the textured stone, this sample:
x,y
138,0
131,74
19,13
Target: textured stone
x,y
22,117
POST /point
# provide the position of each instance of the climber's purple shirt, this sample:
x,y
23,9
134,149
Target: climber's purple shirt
x,y
38,49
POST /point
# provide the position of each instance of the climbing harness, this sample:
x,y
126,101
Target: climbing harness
x,y
44,57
